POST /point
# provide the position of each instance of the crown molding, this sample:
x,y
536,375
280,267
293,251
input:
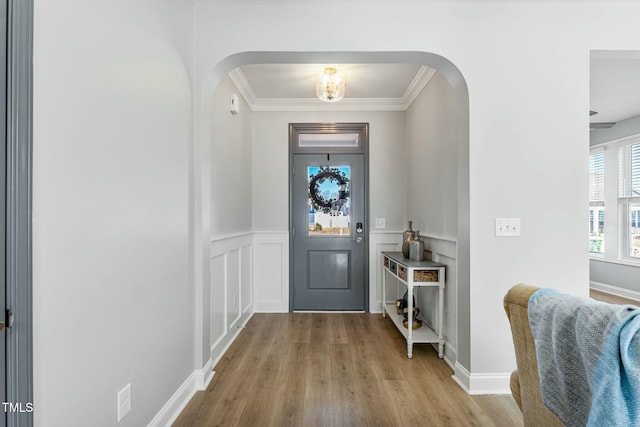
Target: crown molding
x,y
243,86
421,80
417,85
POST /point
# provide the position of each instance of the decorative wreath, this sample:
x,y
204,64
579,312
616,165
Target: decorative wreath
x,y
319,202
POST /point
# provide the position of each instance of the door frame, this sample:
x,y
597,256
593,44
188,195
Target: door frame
x,y
18,198
362,129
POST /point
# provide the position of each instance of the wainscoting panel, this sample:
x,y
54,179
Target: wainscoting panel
x,y
230,289
246,266
271,272
233,287
218,314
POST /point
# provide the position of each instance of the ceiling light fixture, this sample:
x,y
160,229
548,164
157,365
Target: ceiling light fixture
x,y
331,85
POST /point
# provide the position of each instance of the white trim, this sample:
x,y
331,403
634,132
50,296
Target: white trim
x,y
240,82
198,380
493,383
490,383
434,237
272,232
616,261
380,231
461,376
417,85
614,290
204,376
450,354
230,236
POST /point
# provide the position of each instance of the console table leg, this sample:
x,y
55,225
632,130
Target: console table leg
x,y
409,349
384,292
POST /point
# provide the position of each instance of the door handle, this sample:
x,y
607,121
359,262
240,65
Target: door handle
x,y
359,239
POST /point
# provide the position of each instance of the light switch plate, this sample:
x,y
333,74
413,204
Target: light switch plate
x,y
507,227
380,223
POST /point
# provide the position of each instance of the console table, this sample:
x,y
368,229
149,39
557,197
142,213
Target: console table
x,y
414,274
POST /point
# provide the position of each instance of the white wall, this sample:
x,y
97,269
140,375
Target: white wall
x,y
228,299
432,160
230,163
432,193
517,77
112,299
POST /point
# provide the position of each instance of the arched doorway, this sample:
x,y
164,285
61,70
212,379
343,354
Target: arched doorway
x,y
201,180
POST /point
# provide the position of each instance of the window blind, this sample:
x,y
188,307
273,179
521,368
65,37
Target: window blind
x,y
596,177
629,171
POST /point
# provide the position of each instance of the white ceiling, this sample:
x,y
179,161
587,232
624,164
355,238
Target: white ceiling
x,y
299,80
614,87
368,86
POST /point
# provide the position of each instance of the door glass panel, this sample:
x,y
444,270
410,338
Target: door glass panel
x,y
329,200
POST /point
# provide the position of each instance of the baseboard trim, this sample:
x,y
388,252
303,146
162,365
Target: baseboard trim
x,y
621,292
197,381
492,383
204,376
461,376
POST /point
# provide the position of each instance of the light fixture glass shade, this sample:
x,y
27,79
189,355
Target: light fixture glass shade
x,y
331,85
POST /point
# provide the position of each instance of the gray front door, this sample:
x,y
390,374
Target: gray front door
x,y
329,230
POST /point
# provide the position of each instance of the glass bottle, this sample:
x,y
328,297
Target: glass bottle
x,y
407,237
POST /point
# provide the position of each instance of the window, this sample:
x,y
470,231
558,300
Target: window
x,y
596,202
629,198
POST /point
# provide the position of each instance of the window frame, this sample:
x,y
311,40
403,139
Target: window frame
x,y
625,202
616,219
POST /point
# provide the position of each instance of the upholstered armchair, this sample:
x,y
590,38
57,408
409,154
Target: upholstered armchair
x,y
525,383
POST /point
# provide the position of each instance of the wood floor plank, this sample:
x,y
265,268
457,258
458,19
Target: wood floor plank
x,y
336,369
611,298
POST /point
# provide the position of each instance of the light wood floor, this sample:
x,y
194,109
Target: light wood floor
x,y
335,369
317,369
610,298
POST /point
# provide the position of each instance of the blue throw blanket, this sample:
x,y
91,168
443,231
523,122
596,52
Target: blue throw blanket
x,y
588,359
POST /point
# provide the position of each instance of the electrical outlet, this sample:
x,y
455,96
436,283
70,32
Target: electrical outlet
x,y
124,401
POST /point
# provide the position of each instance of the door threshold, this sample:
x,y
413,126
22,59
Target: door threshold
x,y
328,311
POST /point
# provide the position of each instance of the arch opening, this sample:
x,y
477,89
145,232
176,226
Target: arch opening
x,y
201,179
